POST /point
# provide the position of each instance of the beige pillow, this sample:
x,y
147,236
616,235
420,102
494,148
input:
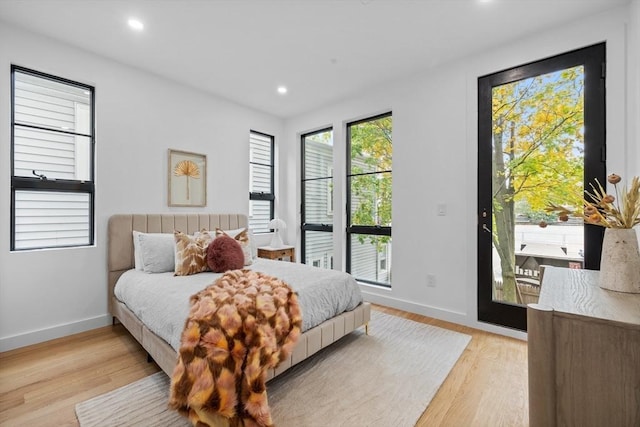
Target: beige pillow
x,y
191,253
242,237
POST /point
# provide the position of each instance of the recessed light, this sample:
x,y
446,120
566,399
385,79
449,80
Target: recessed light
x,y
282,90
136,24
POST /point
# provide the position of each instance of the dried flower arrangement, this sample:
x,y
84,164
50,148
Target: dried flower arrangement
x,y
604,209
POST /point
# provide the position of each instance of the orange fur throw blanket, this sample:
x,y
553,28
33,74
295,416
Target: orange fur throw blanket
x,y
238,328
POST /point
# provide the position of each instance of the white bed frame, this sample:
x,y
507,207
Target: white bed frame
x,y
120,259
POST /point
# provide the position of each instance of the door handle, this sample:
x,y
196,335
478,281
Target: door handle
x,y
485,228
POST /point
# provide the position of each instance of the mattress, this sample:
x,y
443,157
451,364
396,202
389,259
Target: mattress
x,y
161,300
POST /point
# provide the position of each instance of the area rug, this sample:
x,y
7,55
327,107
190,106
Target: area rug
x,y
386,378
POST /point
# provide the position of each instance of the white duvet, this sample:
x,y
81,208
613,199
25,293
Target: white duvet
x,y
161,300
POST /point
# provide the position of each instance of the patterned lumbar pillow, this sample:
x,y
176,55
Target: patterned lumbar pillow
x,y
191,253
223,254
242,237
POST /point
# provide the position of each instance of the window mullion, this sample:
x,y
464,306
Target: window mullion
x,y
20,183
49,129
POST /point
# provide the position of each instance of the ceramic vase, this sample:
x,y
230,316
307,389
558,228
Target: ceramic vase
x,y
620,262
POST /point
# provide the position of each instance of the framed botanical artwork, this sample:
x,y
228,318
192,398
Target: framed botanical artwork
x,y
187,178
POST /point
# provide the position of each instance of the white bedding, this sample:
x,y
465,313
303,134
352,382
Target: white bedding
x,y
161,300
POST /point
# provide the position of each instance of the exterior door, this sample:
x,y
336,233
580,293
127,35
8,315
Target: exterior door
x,y
541,136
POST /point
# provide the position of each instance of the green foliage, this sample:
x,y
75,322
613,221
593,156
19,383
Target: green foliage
x,y
371,194
534,217
538,143
539,124
371,145
321,137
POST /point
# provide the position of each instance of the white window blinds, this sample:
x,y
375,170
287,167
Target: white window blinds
x,y
261,188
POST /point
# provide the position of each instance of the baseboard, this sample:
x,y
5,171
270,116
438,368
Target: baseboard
x,y
441,314
58,331
412,307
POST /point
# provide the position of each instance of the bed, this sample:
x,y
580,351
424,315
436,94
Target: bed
x,y
163,349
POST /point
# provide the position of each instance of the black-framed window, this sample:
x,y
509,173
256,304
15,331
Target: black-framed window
x,y
52,161
317,198
369,196
261,176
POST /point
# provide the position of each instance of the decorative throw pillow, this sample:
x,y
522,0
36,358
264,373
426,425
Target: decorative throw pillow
x,y
224,253
250,236
242,237
154,252
191,253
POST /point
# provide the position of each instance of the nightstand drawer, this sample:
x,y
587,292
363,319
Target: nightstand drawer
x,y
277,253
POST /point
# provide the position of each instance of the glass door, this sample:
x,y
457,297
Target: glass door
x,y
541,137
317,198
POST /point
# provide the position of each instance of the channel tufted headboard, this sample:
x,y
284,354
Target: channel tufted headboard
x,y
121,226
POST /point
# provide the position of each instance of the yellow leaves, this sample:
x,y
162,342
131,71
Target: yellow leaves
x,y
371,142
538,123
187,168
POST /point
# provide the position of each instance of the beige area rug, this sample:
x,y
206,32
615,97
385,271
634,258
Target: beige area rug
x,y
384,379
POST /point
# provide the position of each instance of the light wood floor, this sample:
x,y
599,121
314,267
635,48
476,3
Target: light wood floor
x,y
40,384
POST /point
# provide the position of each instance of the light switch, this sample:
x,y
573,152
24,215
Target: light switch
x,y
441,209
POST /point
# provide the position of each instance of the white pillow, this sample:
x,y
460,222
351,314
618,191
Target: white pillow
x,y
248,249
136,251
154,252
252,242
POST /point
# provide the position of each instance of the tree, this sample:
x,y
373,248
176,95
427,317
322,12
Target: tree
x,y
371,157
538,145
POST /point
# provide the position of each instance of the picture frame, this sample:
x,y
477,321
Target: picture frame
x,y
187,178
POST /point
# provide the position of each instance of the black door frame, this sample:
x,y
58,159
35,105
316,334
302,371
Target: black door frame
x,y
593,58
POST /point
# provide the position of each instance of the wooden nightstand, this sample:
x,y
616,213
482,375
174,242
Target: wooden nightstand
x,y
277,253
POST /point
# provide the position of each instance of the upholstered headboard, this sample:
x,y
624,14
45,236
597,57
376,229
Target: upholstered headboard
x,y
121,226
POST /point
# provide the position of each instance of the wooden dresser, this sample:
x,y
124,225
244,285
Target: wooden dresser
x,y
584,353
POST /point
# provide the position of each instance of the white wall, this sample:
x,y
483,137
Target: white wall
x,y
633,89
50,293
435,161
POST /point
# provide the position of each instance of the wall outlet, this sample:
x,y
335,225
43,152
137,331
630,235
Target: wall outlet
x,y
431,280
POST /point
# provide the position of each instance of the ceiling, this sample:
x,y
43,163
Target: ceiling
x,y
321,50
